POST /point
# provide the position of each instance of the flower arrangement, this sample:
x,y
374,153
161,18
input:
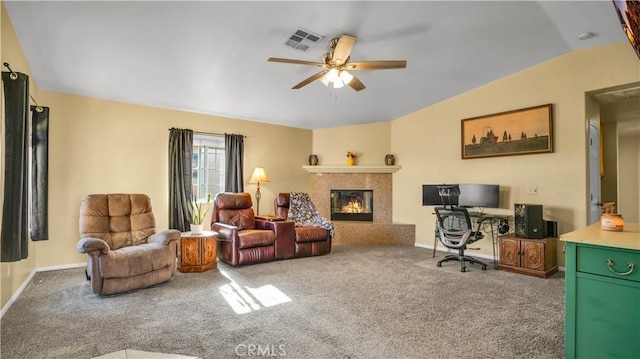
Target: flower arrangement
x,y
351,154
199,210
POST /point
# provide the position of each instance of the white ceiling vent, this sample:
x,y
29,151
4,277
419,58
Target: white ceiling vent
x,y
302,40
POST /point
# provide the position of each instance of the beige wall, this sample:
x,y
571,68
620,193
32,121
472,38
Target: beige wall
x,y
370,141
99,146
428,143
629,161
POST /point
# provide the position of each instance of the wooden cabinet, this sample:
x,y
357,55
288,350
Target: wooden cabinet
x,y
535,257
602,289
198,252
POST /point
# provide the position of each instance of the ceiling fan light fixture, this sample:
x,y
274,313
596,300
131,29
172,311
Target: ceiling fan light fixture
x,y
333,75
345,77
336,62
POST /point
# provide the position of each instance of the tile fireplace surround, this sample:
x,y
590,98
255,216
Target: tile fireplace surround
x,y
381,230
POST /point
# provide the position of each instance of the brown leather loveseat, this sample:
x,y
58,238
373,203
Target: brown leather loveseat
x,y
308,240
124,251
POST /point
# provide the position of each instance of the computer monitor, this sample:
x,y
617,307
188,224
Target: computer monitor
x,y
431,195
479,195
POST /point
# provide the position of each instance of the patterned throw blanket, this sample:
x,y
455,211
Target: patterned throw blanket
x,y
303,212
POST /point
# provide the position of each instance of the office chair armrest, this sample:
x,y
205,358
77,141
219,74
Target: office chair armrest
x,y
475,236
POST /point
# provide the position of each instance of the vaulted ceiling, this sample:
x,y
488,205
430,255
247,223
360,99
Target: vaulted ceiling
x,y
211,56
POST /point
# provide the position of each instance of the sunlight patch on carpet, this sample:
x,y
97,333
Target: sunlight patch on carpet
x,y
247,299
269,295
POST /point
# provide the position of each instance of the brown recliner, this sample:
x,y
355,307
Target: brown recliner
x,y
309,241
242,239
124,251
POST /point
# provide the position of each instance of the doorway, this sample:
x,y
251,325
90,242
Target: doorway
x,y
614,172
595,197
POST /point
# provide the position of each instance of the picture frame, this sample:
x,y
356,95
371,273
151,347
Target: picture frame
x,y
517,132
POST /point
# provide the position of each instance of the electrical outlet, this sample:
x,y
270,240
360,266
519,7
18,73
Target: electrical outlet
x,y
532,190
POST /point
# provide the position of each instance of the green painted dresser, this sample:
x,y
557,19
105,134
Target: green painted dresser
x,y
602,293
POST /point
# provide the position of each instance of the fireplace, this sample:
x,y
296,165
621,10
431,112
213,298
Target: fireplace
x,y
351,205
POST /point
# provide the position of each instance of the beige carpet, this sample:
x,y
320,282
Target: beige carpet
x,y
356,302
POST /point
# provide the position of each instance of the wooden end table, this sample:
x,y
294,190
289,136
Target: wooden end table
x,y
198,251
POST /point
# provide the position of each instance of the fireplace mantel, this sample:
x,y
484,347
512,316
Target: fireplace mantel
x,y
351,169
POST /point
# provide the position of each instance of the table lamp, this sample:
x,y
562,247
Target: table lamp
x,y
258,176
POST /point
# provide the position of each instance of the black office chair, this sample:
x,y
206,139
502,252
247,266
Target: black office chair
x,y
454,228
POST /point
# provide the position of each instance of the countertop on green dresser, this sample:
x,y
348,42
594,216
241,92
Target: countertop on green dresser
x,y
629,238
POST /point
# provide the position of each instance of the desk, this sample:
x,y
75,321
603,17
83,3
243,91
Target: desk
x,y
492,220
486,223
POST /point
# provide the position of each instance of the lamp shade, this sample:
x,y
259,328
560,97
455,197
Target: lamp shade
x,y
259,176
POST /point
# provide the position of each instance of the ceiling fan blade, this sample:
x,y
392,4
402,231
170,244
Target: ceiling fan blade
x,y
343,49
356,84
376,65
295,62
309,80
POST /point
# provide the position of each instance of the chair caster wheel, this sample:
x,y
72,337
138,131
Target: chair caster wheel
x,y
463,269
439,264
484,267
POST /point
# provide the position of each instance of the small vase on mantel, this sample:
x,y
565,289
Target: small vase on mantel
x,y
313,160
351,161
389,160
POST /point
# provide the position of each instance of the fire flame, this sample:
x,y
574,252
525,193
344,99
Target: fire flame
x,y
354,206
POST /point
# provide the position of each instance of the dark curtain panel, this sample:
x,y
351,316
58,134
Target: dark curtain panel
x,y
15,207
180,157
39,173
234,158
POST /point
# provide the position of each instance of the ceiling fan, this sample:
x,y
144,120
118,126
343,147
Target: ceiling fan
x,y
335,64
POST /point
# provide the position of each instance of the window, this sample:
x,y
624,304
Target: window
x,y
207,166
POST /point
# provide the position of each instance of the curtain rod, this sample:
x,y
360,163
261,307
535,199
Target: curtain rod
x,y
212,134
206,133
14,76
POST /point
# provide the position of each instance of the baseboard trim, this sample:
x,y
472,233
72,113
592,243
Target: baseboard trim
x,y
63,266
15,295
